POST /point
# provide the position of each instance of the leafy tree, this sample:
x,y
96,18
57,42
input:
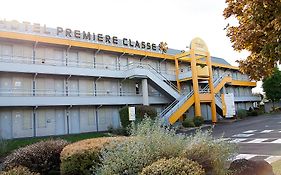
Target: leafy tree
x,y
258,31
272,86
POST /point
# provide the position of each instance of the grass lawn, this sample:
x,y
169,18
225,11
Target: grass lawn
x,y
17,143
277,167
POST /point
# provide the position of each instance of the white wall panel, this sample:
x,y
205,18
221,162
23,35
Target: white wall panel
x,y
6,52
86,87
5,85
72,58
170,67
22,123
45,121
88,119
73,87
86,59
6,124
60,124
105,115
74,121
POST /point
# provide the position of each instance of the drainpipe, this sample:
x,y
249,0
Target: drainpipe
x,y
95,54
67,118
34,120
97,118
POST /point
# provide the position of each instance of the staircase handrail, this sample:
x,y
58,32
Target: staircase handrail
x,y
177,103
215,82
153,71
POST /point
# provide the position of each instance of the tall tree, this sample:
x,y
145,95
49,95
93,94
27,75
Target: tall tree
x,y
272,86
258,31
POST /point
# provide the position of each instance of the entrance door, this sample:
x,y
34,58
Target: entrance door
x,y
74,121
60,122
5,125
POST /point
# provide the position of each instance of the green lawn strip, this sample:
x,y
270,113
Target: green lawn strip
x,y
17,143
277,167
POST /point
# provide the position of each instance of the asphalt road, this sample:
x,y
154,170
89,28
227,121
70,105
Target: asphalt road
x,y
257,137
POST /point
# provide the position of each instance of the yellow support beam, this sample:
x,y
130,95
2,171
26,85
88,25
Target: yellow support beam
x,y
205,98
223,105
222,83
212,90
175,116
243,83
195,84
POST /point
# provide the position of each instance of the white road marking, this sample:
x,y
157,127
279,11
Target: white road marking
x,y
252,140
256,141
242,135
269,159
266,131
245,156
276,141
249,131
272,159
237,140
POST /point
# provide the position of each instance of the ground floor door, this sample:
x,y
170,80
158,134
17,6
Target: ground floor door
x,y
60,122
74,121
5,125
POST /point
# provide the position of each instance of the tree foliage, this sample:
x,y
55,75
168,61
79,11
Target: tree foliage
x,y
258,31
272,86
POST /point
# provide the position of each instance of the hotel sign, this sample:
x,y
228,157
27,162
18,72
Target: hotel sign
x,y
37,28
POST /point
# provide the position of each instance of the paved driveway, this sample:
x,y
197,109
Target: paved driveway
x,y
257,137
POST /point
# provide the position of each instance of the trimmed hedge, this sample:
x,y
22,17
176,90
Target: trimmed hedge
x,y
188,122
141,112
41,157
79,157
198,121
242,113
174,166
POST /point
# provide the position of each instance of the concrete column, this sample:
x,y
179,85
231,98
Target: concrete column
x,y
144,92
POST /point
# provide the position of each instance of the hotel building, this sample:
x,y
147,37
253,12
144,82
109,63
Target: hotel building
x,y
56,81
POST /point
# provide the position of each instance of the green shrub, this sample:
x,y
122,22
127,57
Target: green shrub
x,y
188,122
252,113
79,157
20,170
41,157
242,113
118,131
210,153
198,121
141,112
174,166
151,142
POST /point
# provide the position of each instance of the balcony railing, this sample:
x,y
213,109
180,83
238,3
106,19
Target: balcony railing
x,y
70,62
53,92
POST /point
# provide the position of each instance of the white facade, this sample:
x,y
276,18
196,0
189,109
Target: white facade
x,y
54,90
